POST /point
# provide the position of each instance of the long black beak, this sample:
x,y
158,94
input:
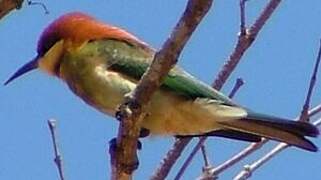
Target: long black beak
x,y
33,64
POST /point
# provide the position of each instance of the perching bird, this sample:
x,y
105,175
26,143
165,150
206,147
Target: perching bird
x,y
101,63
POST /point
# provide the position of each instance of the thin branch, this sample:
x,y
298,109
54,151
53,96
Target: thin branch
x,y
33,3
8,5
189,158
317,122
315,110
238,157
58,158
249,169
244,42
304,113
205,156
214,172
131,112
242,19
170,159
238,83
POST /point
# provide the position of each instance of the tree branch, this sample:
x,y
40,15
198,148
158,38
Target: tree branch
x,y
58,158
8,5
304,114
249,169
44,7
244,42
205,156
131,112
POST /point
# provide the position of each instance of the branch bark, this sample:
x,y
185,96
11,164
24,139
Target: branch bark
x,y
131,112
245,40
8,5
52,123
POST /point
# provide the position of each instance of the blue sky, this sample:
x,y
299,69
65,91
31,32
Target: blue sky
x,y
276,69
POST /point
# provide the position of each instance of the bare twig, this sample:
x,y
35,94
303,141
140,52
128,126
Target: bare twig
x,y
131,111
304,113
249,169
245,39
238,83
32,3
229,163
189,158
205,156
242,19
255,146
58,158
317,122
8,5
170,158
244,42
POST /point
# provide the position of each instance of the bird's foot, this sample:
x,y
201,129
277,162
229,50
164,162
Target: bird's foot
x,y
113,145
144,132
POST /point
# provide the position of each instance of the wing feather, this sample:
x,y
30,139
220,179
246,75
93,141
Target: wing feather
x,y
133,61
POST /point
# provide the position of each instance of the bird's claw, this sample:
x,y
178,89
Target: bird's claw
x,y
113,145
144,132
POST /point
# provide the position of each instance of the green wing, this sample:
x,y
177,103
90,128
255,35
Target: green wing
x,y
133,61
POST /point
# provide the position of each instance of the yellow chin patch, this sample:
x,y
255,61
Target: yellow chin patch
x,y
49,61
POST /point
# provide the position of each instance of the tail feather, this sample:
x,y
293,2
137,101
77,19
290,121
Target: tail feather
x,y
232,134
297,127
229,133
290,132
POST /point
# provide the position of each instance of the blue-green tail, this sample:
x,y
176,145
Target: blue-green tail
x,y
288,131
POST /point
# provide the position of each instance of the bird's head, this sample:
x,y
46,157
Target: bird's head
x,y
69,31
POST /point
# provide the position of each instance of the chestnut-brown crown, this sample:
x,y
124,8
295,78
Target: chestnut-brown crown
x,y
79,27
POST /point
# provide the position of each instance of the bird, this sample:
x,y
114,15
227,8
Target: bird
x,y
101,63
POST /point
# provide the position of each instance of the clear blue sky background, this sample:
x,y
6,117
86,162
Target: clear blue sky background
x,y
276,70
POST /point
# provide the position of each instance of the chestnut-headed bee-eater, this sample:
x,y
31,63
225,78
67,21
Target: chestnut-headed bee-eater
x,y
101,63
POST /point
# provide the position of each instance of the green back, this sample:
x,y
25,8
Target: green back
x,y
133,60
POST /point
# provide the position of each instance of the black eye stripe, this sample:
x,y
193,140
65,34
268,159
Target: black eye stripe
x,y
46,42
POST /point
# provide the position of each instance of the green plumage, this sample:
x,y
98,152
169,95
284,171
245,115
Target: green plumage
x,y
101,64
102,72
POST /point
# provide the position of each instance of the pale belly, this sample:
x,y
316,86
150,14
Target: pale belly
x,y
174,115
168,114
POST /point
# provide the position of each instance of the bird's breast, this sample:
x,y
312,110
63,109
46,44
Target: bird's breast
x,y
92,82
